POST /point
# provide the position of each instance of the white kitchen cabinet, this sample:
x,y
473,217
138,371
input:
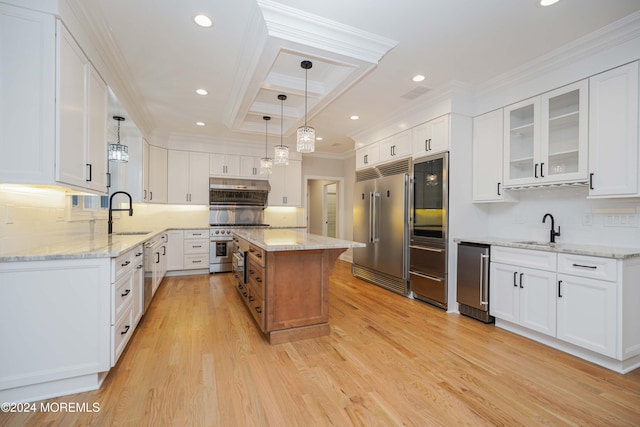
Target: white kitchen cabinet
x,y
145,170
367,156
55,321
53,105
224,165
157,175
524,295
250,167
175,254
286,185
613,133
81,143
545,138
188,177
431,137
196,249
488,151
395,147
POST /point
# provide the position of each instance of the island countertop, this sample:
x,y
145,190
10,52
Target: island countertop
x,y
293,240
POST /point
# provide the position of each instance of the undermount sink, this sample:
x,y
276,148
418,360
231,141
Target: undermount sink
x,y
533,242
131,233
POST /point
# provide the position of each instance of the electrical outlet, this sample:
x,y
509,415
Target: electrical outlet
x,y
587,220
621,220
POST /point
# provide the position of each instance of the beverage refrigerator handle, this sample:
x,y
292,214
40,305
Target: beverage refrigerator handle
x,y
483,279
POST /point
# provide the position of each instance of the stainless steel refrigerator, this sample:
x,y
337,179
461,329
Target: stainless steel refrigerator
x,y
380,219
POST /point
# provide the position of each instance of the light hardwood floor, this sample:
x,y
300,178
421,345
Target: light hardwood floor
x,y
198,360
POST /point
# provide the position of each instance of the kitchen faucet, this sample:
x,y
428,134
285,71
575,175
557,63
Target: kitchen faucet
x,y
111,210
552,233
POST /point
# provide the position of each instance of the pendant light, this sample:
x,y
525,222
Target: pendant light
x,y
306,137
281,153
265,162
118,152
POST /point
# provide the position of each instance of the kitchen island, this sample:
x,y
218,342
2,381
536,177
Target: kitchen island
x,y
285,284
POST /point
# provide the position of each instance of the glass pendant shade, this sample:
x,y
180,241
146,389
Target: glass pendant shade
x,y
265,166
306,139
266,163
118,152
281,152
281,155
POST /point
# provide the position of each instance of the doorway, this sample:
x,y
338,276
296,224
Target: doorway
x,y
323,207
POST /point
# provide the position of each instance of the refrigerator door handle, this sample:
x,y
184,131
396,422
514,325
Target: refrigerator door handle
x,y
483,279
370,217
424,248
376,217
427,276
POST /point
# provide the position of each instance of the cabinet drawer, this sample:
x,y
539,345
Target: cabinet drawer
x,y
196,234
257,254
196,246
122,264
257,309
196,261
123,292
524,257
121,333
588,266
256,289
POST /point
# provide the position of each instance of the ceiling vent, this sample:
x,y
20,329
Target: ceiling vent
x,y
413,94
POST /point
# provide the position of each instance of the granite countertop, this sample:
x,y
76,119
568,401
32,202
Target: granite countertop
x,y
566,248
293,240
103,246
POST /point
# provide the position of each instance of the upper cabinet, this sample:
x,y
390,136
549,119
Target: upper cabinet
x,y
188,177
488,151
286,185
157,175
53,105
431,137
395,147
250,167
613,133
367,156
546,138
224,165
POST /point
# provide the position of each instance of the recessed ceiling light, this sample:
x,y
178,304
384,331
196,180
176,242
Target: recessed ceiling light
x,y
354,117
418,78
201,91
319,138
203,21
200,123
548,2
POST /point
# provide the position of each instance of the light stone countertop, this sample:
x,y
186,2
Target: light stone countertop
x,y
566,248
103,246
293,240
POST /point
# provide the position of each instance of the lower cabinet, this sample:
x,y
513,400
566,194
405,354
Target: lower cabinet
x,y
188,250
584,305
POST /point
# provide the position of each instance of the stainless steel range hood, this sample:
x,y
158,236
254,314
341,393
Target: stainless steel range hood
x,y
238,192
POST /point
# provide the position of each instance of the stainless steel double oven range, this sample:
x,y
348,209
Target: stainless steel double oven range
x,y
428,229
233,204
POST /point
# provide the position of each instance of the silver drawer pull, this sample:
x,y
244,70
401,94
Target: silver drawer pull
x,y
422,248
593,267
426,276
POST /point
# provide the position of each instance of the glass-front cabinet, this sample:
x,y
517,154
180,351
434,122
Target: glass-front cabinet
x,y
546,138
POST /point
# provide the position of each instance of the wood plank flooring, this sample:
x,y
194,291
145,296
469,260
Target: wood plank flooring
x,y
197,359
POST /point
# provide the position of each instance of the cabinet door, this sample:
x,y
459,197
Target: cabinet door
x,y
563,148
286,185
522,140
97,132
613,133
504,294
138,286
537,290
224,165
175,248
145,170
487,158
71,153
27,102
587,313
157,175
367,156
250,167
395,147
177,176
199,178
431,137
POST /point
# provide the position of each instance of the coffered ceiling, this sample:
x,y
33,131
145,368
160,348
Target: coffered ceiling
x,y
364,54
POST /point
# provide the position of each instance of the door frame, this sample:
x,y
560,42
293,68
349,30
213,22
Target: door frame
x,y
339,199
